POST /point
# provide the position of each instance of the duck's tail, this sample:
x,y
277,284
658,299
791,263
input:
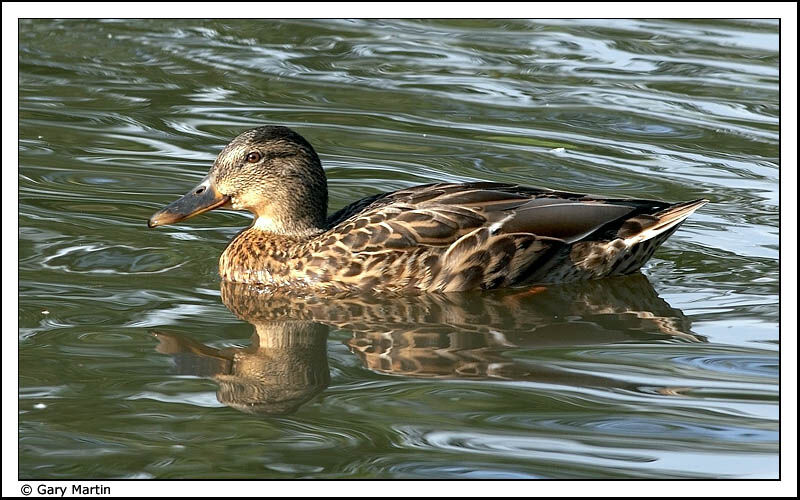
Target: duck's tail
x,y
647,227
643,234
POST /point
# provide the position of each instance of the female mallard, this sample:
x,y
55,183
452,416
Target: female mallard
x,y
437,237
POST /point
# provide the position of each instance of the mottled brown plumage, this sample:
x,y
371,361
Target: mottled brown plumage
x,y
437,237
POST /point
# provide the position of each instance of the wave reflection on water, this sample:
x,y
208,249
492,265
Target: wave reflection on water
x,y
437,337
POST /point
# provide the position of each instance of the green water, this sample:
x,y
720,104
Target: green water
x,y
133,363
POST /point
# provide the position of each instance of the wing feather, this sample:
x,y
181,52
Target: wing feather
x,y
463,236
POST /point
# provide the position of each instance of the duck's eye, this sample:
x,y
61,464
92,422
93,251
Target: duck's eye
x,y
253,157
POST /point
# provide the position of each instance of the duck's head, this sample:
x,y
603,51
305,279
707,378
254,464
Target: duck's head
x,y
270,171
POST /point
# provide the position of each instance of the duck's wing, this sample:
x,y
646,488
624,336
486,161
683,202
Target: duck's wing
x,y
438,214
479,234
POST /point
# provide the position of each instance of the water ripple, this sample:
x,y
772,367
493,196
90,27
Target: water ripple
x,y
668,109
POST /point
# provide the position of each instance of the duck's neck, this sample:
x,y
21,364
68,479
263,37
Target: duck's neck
x,y
291,205
289,228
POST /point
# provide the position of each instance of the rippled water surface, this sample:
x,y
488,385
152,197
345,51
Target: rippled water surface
x,y
136,363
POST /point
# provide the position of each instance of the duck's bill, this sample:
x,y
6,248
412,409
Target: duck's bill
x,y
201,198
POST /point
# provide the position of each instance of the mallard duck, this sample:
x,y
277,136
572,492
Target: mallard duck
x,y
439,237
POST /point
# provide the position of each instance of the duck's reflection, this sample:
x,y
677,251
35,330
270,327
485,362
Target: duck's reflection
x,y
285,365
465,335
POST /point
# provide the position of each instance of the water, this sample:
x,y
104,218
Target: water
x,y
135,363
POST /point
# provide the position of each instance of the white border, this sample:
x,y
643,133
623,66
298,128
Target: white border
x,y
788,251
787,11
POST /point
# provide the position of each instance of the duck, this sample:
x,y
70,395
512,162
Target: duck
x,y
439,237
